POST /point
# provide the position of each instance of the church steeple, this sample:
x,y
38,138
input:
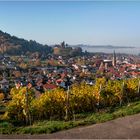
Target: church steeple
x,y
114,59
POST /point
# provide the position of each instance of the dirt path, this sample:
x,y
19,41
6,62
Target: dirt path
x,y
122,128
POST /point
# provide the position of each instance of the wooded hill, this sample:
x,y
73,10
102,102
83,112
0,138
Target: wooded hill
x,y
13,45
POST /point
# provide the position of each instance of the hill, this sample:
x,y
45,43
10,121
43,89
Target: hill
x,y
13,45
102,46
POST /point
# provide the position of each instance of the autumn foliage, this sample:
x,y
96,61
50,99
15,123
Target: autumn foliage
x,y
81,98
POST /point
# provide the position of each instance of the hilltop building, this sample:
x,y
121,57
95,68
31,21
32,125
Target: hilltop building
x,y
65,50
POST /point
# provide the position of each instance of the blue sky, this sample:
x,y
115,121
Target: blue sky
x,y
93,22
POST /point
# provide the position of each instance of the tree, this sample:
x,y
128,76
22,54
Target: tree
x,y
37,62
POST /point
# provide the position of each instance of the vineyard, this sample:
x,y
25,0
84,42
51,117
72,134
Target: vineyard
x,y
61,104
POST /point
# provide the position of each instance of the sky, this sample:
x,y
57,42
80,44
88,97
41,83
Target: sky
x,y
75,22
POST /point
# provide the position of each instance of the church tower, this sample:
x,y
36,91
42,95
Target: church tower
x,y
114,59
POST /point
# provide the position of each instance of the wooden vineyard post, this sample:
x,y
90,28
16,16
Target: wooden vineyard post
x,y
139,87
28,116
67,104
98,103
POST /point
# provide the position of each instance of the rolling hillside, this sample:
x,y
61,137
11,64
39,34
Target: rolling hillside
x,y
16,46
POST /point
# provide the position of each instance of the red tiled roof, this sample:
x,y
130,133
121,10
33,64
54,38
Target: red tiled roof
x,y
50,86
59,81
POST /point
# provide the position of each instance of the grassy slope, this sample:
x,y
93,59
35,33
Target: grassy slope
x,y
80,120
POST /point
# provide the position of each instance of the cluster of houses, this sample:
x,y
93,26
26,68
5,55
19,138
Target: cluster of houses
x,y
70,70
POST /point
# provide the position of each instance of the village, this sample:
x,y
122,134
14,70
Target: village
x,y
62,70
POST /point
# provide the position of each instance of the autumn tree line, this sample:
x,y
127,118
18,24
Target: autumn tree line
x,y
13,45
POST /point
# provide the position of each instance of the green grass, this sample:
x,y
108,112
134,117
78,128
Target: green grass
x,y
6,128
80,120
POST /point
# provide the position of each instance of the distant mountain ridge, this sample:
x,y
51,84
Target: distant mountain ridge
x,y
101,46
16,46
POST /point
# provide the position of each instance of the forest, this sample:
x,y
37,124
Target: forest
x,y
13,45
